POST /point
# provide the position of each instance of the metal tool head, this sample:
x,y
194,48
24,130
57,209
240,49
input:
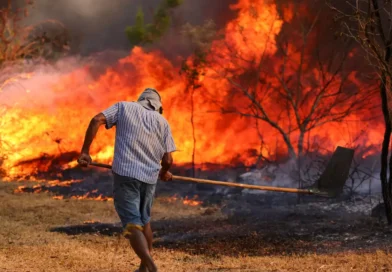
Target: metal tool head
x,y
332,180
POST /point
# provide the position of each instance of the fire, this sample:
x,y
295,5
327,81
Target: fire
x,y
66,183
50,185
192,202
171,199
90,222
45,113
15,79
186,201
20,189
88,197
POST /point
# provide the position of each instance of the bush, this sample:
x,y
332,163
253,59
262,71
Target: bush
x,y
141,33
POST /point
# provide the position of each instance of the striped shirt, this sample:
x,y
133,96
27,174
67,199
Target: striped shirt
x,y
142,138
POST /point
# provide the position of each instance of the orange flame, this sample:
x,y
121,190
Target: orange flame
x,y
192,202
57,183
20,189
90,222
88,197
186,201
171,199
49,116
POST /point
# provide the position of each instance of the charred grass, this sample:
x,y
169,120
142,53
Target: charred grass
x,y
186,239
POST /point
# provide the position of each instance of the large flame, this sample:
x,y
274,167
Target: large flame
x,y
46,112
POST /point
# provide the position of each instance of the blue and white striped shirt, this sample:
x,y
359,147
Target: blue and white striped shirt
x,y
142,138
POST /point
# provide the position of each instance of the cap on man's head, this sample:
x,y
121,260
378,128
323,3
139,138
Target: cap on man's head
x,y
150,99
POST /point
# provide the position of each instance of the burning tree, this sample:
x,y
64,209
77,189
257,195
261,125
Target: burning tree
x,y
292,80
369,23
255,31
141,34
201,37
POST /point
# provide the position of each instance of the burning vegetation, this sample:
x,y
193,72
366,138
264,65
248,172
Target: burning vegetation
x,y
267,90
184,200
63,189
271,92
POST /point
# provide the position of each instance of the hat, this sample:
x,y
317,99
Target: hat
x,y
150,99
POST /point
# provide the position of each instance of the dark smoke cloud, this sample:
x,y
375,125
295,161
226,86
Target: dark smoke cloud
x,y
97,25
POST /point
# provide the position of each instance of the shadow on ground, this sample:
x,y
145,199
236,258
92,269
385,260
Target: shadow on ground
x,y
268,234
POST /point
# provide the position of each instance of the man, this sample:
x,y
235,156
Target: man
x,y
143,145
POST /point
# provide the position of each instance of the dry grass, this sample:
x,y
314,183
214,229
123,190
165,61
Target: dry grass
x,y
26,244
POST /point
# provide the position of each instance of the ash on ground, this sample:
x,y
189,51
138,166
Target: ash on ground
x,y
97,183
245,222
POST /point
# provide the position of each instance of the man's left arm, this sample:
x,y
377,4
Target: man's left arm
x,y
167,159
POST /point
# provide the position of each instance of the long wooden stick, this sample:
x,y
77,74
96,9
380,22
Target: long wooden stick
x,y
242,185
228,184
102,165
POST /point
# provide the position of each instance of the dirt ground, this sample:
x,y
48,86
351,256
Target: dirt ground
x,y
186,239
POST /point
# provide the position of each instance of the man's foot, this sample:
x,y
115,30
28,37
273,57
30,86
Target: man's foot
x,y
142,268
140,246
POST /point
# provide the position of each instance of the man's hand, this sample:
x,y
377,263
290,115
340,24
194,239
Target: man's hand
x,y
165,175
166,163
84,159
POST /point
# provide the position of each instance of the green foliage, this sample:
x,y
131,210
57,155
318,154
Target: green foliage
x,y
173,3
142,33
137,32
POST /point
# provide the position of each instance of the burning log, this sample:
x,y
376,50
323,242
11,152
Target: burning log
x,y
46,165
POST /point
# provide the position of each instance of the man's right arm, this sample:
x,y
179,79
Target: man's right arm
x,y
95,123
109,118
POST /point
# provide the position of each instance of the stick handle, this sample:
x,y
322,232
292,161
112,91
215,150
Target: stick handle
x,y
241,185
102,165
228,184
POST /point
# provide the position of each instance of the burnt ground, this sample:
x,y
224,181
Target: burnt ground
x,y
292,233
235,222
300,229
240,232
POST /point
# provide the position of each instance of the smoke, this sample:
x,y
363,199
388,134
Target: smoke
x,y
98,25
33,87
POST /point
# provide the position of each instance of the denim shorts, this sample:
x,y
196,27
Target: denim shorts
x,y
133,201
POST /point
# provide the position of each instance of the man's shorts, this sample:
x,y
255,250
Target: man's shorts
x,y
133,201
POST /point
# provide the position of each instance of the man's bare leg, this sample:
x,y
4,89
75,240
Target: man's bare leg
x,y
140,246
148,234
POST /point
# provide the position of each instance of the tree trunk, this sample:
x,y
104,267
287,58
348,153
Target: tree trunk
x,y
386,186
299,165
193,132
290,147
